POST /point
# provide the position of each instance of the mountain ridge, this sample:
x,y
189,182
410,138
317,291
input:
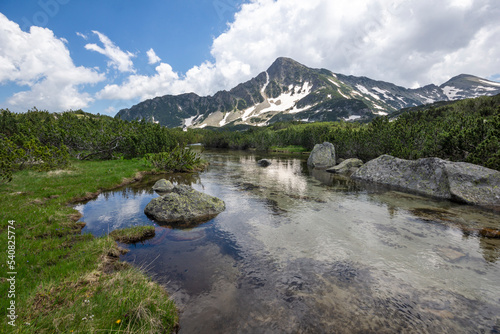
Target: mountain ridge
x,y
289,90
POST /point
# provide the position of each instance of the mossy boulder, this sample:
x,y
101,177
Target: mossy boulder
x,y
184,207
322,156
458,181
163,186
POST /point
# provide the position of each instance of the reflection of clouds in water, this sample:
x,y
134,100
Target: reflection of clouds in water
x,y
79,208
283,175
112,210
287,175
105,219
128,208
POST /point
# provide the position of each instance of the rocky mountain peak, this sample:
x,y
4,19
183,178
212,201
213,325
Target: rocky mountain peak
x,y
289,90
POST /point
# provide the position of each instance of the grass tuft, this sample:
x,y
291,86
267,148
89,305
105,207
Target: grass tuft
x,y
133,235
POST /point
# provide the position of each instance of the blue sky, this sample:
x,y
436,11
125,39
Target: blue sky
x,y
103,56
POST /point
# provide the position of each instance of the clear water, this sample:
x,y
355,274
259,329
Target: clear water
x,y
300,251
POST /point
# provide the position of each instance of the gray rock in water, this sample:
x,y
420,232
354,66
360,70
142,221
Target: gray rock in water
x,y
163,186
322,156
458,181
184,207
264,162
346,166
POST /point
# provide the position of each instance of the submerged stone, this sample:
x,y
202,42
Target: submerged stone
x,y
346,166
184,207
450,254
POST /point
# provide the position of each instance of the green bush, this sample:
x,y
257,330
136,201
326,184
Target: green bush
x,y
31,154
177,160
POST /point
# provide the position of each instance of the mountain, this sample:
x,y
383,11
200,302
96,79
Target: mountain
x,y
289,90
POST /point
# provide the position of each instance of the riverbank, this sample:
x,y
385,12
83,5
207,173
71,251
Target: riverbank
x,y
64,281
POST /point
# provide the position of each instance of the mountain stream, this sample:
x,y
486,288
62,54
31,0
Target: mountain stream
x,y
304,251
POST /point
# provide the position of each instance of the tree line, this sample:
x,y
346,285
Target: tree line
x,y
467,130
42,140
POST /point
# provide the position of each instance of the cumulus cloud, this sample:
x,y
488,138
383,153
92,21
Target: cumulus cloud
x,y
407,42
164,81
118,59
41,62
399,41
152,57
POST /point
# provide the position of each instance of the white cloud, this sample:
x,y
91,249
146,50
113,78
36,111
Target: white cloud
x,y
110,110
400,41
152,57
117,58
41,62
165,80
85,37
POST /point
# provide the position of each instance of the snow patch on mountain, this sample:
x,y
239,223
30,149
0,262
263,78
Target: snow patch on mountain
x,y
189,121
333,82
224,120
262,91
365,91
451,92
488,89
297,110
491,83
384,92
345,96
426,99
288,100
352,118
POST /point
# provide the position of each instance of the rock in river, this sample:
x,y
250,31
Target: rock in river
x,y
184,207
322,156
264,162
458,181
163,186
346,166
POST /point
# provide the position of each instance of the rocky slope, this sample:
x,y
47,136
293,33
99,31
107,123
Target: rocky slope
x,y
289,90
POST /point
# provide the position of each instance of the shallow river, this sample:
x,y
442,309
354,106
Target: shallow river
x,y
300,251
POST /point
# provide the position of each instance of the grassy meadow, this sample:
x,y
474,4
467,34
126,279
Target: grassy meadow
x,y
68,282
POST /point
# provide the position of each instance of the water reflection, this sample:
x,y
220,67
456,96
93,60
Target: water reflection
x,y
300,251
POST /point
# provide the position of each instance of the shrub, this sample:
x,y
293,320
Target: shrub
x,y
178,159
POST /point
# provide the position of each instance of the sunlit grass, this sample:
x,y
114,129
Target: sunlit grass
x,y
289,149
67,281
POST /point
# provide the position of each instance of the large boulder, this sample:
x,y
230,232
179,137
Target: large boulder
x,y
184,207
458,181
322,156
346,166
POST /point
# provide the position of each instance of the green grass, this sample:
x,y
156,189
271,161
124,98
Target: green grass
x,y
289,149
134,234
67,281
